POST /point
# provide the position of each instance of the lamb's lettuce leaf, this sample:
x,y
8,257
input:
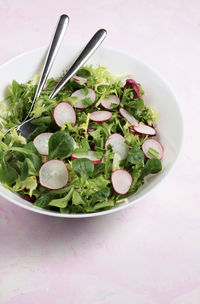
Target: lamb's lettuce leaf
x,y
89,188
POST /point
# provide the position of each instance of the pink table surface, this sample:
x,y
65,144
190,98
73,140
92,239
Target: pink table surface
x,y
149,253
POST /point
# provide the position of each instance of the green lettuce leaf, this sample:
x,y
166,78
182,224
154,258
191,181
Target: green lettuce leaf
x,y
62,202
60,145
30,184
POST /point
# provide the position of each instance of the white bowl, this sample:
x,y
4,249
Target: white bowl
x,y
158,95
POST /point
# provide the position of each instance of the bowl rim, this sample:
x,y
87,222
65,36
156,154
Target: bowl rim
x,y
123,205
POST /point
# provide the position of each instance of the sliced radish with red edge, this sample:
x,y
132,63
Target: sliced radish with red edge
x,y
100,116
53,174
29,198
130,118
111,99
121,181
132,130
91,156
118,145
155,145
79,79
41,143
144,130
79,93
64,112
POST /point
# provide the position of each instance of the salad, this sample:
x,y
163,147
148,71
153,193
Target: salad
x,y
92,147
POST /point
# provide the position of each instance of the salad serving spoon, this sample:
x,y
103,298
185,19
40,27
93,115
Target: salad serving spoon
x,y
50,57
26,127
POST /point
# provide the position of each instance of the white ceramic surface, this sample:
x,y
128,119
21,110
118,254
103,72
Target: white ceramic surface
x,y
158,95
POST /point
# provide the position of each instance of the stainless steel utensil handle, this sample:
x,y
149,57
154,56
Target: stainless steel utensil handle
x,y
90,48
51,55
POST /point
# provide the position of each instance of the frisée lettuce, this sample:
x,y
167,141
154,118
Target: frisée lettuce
x,y
91,149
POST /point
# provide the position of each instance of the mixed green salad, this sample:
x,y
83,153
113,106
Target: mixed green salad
x,y
92,146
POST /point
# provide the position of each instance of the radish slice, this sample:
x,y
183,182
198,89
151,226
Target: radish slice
x,y
121,181
152,144
144,129
90,156
100,116
78,93
133,130
82,80
118,144
130,118
64,112
53,174
107,102
41,143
